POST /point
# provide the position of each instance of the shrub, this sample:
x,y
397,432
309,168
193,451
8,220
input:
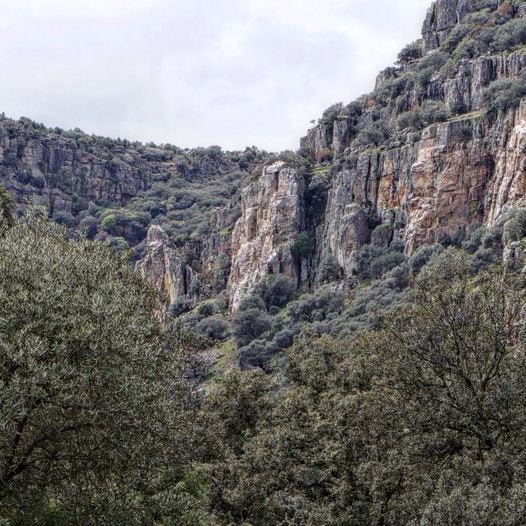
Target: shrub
x,y
109,222
118,243
275,290
251,302
329,270
302,247
370,261
312,307
429,113
503,94
509,35
515,227
206,309
248,325
410,52
257,354
214,328
180,306
316,195
372,134
422,256
332,112
383,264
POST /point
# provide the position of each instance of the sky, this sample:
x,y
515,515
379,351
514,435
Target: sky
x,y
232,73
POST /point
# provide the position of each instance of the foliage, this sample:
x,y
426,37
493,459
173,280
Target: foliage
x,y
275,290
411,52
250,322
429,113
302,247
418,422
372,134
92,390
503,94
7,210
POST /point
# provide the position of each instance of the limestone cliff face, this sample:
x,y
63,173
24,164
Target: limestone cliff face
x,y
443,16
164,267
415,188
272,217
190,272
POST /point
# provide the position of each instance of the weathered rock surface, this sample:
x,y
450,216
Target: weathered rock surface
x,y
272,216
164,267
443,16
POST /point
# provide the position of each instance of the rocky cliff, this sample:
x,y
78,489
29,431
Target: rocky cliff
x,y
272,217
437,148
422,182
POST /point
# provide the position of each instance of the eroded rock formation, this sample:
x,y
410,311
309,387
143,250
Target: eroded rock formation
x,y
164,267
272,217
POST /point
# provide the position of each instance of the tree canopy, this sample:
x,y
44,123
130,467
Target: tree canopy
x,y
94,408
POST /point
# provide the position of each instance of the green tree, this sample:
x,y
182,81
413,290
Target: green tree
x,y
7,210
93,405
302,247
418,422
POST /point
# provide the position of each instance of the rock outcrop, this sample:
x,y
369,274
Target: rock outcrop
x,y
53,165
164,267
272,217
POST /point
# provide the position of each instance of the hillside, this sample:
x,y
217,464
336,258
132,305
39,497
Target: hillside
x,y
434,154
334,337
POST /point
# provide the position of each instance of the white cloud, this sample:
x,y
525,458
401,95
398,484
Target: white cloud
x,y
196,72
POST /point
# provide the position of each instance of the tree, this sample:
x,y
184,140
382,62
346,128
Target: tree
x,y
302,247
411,52
276,290
93,405
418,422
249,324
7,209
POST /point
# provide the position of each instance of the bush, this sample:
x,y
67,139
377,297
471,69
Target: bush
x,y
410,53
214,328
332,112
329,270
275,290
429,113
180,306
504,94
371,262
515,227
383,264
255,355
249,324
315,307
509,35
109,222
64,218
302,247
422,256
372,134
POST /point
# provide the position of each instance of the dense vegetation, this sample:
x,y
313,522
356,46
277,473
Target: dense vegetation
x,y
84,183
94,408
397,399
417,422
415,416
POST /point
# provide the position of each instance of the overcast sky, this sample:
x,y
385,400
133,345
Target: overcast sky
x,y
196,72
